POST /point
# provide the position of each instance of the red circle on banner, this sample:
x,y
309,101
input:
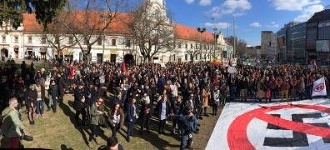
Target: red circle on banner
x,y
319,87
237,136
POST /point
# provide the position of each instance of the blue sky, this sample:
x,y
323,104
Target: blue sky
x,y
252,16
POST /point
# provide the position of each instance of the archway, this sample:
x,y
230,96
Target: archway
x,y
4,52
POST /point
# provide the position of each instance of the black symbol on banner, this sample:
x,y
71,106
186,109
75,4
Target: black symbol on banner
x,y
298,139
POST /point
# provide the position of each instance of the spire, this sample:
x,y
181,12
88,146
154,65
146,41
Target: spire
x,y
161,3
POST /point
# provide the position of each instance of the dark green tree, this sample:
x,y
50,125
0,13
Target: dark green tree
x,y
11,11
47,10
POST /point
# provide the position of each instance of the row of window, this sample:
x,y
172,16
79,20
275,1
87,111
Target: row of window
x,y
4,39
197,46
113,42
70,41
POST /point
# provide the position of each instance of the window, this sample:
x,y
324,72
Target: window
x,y
43,39
174,57
99,41
3,39
185,56
191,46
179,45
16,39
128,43
113,42
70,40
186,46
30,39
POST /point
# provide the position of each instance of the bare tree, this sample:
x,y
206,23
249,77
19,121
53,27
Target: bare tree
x,y
195,49
88,21
57,35
241,46
152,31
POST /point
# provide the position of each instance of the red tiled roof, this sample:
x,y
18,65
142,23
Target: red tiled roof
x,y
119,25
190,33
30,23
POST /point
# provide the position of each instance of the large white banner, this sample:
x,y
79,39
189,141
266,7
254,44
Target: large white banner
x,y
319,88
302,125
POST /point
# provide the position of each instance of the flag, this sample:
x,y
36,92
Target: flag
x,y
123,67
319,88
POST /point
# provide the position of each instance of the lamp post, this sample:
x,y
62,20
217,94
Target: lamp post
x,y
216,36
201,31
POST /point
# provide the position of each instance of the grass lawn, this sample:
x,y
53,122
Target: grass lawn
x,y
57,131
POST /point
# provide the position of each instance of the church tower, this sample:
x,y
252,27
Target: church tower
x,y
158,7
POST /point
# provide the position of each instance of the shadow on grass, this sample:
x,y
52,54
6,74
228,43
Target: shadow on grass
x,y
67,111
82,129
154,138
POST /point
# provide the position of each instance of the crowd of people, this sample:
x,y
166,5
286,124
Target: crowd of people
x,y
182,93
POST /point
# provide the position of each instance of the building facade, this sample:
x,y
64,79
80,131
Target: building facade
x,y
29,41
302,42
268,46
318,37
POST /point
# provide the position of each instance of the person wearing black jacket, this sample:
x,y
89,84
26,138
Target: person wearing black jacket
x,y
145,113
31,102
80,107
53,95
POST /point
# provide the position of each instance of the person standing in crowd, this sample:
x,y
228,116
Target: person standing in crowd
x,y
19,89
53,95
115,119
39,101
205,99
12,128
131,117
216,101
187,125
163,109
4,92
145,113
31,102
174,88
176,111
95,118
267,89
284,88
80,106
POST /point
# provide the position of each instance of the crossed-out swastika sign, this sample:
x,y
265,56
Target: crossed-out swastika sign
x,y
280,126
261,113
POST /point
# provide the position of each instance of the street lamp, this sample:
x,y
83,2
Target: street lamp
x,y
201,30
216,36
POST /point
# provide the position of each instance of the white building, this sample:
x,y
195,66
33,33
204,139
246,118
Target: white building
x,y
29,40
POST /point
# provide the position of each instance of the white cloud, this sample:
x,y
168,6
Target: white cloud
x,y
273,25
255,24
308,12
219,26
189,1
235,7
205,2
293,5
